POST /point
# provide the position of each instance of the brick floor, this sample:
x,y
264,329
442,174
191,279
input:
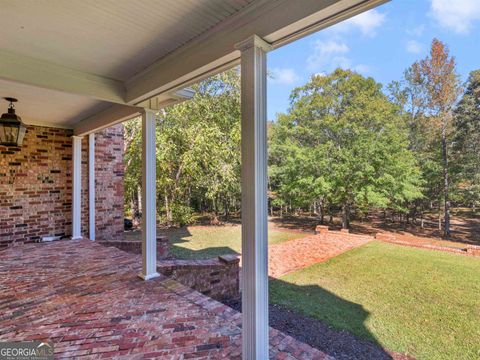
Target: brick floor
x,y
87,299
296,254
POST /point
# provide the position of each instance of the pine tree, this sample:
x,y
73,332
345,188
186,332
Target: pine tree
x,y
436,75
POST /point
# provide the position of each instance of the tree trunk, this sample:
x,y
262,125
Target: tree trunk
x,y
226,209
439,217
345,216
321,211
135,205
168,210
446,230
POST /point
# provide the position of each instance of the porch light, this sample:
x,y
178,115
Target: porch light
x,y
12,130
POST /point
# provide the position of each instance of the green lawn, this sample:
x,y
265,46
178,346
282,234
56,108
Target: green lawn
x,y
420,302
204,242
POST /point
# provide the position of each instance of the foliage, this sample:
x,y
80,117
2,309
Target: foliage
x,y
436,76
343,142
466,141
198,151
344,145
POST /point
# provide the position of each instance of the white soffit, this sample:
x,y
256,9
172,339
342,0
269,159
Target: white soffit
x,y
38,106
111,38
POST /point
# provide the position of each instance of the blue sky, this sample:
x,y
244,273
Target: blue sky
x,y
380,43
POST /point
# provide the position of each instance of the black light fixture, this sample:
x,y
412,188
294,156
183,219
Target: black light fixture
x,y
12,130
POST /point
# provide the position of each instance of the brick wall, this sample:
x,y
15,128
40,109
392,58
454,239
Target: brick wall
x,y
109,172
135,246
36,186
218,278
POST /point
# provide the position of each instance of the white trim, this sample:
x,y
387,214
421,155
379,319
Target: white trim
x,y
113,115
278,22
149,197
76,187
46,124
91,186
148,277
119,113
255,338
46,75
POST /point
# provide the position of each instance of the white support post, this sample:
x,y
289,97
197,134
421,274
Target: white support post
x,y
149,198
91,186
76,187
254,198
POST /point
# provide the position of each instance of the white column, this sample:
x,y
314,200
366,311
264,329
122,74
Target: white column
x,y
91,186
149,198
76,187
254,198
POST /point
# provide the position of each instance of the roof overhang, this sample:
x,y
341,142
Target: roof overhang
x,y
82,64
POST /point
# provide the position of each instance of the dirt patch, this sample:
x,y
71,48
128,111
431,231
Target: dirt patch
x,y
465,226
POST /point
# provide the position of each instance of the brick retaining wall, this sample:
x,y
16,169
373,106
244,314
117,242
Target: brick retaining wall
x,y
469,250
342,234
217,278
135,246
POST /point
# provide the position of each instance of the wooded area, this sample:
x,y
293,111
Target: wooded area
x,y
346,146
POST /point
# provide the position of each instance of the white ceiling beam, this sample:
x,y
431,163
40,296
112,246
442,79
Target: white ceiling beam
x,y
118,113
167,99
43,74
106,118
278,22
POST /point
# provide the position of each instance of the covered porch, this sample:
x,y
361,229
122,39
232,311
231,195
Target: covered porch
x,y
85,66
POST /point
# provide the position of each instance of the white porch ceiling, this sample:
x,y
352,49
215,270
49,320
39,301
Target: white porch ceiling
x,y
112,38
66,60
45,107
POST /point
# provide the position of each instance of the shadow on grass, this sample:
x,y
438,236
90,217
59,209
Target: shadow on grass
x,y
180,235
323,320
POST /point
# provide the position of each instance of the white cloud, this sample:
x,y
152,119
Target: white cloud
x,y
329,55
324,52
458,15
284,76
367,22
414,47
416,31
362,69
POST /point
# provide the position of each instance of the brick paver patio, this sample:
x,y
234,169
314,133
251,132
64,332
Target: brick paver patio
x,y
87,299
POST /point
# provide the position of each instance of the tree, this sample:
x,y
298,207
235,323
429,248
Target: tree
x,y
436,77
466,140
198,151
342,142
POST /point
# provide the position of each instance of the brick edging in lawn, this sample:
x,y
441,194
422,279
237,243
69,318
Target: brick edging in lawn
x,y
469,250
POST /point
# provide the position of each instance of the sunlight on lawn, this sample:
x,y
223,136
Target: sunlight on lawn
x,y
419,302
199,242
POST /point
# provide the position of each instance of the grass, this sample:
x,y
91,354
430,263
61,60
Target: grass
x,y
419,302
203,242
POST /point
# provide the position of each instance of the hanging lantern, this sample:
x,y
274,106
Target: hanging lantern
x,y
12,130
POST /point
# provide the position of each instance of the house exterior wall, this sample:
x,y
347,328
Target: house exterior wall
x,y
36,185
109,187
